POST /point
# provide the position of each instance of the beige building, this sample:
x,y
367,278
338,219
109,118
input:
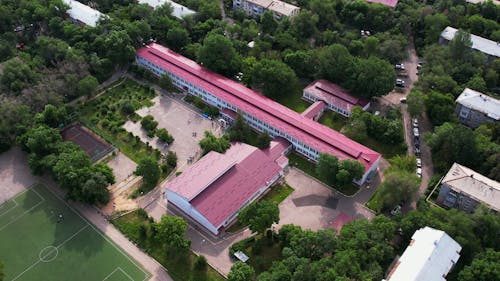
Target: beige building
x,y
256,8
465,189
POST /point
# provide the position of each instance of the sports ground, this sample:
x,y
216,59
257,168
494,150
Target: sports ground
x,y
42,238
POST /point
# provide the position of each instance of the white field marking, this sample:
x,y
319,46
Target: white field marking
x,y
146,274
9,209
25,212
40,260
118,269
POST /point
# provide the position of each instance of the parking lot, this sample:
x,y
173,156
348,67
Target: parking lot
x,y
186,125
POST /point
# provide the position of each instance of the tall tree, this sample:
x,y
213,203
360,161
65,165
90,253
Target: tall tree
x,y
327,167
87,86
171,231
260,215
240,271
275,78
212,143
484,267
460,46
177,38
150,171
373,77
416,103
218,54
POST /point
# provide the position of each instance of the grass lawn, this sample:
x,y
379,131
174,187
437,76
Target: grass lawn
x,y
374,204
293,100
35,245
310,168
387,150
103,115
333,120
179,267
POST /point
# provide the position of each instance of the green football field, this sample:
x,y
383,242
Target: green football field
x,y
36,244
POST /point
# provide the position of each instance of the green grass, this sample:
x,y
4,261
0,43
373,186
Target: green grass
x,y
293,100
34,246
374,204
333,120
310,168
387,150
278,193
103,116
179,266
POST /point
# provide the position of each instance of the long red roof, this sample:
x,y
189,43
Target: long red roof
x,y
334,94
305,130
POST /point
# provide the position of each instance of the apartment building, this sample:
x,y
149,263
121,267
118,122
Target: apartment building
x,y
255,8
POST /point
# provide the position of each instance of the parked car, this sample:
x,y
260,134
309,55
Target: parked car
x,y
400,66
419,172
419,163
415,122
416,133
402,73
403,100
400,83
396,210
417,151
417,143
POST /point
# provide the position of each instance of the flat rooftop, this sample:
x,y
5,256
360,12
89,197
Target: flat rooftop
x,y
479,43
307,131
283,8
83,13
480,102
179,11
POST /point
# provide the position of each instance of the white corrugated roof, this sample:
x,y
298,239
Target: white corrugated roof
x,y
83,13
179,11
479,43
472,183
496,2
480,102
430,256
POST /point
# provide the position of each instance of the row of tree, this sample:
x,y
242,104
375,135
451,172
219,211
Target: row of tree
x,y
333,171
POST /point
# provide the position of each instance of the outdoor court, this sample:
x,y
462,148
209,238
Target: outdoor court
x,y
93,145
42,238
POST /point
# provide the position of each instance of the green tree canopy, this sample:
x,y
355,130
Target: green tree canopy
x,y
240,271
150,171
260,215
218,54
275,78
171,231
416,103
212,143
87,86
398,186
484,267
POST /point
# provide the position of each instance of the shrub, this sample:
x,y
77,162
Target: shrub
x,y
200,263
171,159
149,124
127,107
142,213
164,136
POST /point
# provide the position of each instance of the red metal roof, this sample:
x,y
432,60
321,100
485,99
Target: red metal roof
x,y
219,196
334,94
305,130
313,110
390,3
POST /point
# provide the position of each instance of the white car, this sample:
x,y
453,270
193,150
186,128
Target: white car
x,y
416,132
400,66
419,163
396,210
415,122
419,172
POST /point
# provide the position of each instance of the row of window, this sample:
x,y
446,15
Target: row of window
x,y
329,105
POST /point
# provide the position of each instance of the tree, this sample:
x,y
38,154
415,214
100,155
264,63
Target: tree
x,y
416,103
484,267
398,186
356,130
373,77
327,168
87,86
264,140
149,124
275,78
171,159
51,50
17,74
150,171
15,119
440,107
268,23
116,46
219,55
164,136
2,274
166,82
240,130
212,143
240,271
336,63
177,38
349,170
460,46
170,231
127,107
52,116
260,215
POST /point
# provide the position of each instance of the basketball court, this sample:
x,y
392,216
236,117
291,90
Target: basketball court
x,y
93,145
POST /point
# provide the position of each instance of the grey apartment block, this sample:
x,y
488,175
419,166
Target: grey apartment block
x,y
474,108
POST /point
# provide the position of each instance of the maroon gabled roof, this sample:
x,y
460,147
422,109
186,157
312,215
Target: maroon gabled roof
x,y
218,195
314,109
334,94
276,115
390,3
